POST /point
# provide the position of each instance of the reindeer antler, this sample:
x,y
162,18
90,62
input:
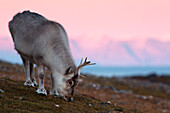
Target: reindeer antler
x,y
85,63
81,65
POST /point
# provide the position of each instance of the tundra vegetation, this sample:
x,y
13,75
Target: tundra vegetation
x,y
148,94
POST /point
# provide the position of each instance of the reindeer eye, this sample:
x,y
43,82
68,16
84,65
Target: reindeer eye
x,y
70,82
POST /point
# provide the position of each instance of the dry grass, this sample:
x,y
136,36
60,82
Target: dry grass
x,y
92,91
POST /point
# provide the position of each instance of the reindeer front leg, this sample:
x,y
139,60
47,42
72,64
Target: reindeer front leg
x,y
41,90
53,90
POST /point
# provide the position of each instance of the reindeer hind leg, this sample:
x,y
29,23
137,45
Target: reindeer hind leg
x,y
32,74
41,90
27,72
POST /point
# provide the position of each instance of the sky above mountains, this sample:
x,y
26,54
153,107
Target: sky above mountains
x,y
110,32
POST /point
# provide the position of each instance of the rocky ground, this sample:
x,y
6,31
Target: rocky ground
x,y
150,94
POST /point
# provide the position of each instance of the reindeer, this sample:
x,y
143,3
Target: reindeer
x,y
44,43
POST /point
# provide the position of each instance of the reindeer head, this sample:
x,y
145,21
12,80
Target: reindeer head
x,y
71,80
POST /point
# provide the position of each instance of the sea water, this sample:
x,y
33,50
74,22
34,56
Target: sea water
x,y
126,71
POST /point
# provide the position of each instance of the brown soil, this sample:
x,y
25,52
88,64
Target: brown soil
x,y
133,94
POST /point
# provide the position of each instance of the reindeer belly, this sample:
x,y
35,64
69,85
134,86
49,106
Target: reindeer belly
x,y
29,51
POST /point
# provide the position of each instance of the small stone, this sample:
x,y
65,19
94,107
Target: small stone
x,y
108,102
3,75
94,85
90,104
164,111
140,96
20,98
150,97
144,97
57,105
2,91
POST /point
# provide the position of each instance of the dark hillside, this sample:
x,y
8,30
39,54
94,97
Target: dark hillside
x,y
15,97
94,94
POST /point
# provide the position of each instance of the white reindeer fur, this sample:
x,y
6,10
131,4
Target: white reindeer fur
x,y
44,43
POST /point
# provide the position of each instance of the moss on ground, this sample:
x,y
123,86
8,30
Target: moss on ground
x,y
19,98
147,91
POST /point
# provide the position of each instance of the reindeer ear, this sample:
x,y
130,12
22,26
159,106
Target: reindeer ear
x,y
69,71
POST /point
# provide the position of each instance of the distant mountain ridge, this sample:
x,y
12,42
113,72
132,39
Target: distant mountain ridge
x,y
138,52
107,52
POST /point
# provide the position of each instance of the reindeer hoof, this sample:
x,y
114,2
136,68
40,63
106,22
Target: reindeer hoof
x,y
42,91
55,93
35,83
29,83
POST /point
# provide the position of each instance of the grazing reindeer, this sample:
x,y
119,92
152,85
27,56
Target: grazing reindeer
x,y
44,43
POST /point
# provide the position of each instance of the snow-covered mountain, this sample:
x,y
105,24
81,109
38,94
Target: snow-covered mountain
x,y
139,52
107,52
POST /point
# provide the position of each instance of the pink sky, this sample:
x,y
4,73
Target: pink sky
x,y
94,20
